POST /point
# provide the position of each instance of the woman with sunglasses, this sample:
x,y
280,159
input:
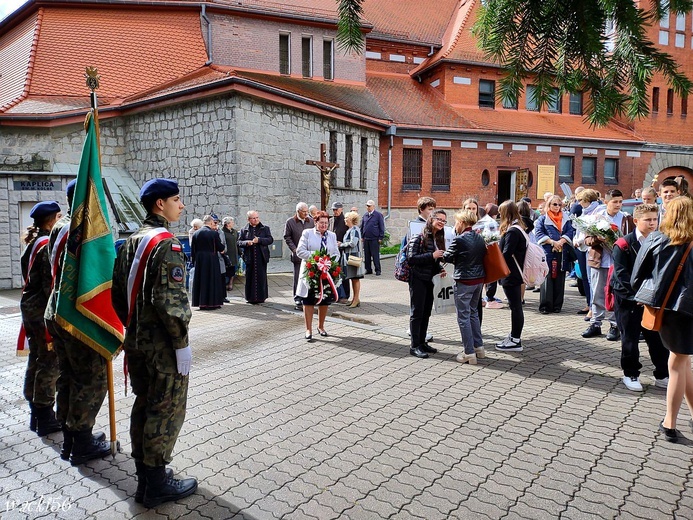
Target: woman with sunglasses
x,y
554,232
424,254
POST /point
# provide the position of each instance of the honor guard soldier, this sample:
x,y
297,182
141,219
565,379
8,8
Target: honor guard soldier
x,y
150,298
82,384
42,365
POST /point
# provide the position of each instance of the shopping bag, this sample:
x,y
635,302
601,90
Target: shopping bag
x,y
443,297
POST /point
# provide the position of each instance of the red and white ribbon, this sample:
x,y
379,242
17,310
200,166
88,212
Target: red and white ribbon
x,y
324,265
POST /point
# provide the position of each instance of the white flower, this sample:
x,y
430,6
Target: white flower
x,y
603,225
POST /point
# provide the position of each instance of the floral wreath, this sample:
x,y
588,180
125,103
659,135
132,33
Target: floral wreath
x,y
322,274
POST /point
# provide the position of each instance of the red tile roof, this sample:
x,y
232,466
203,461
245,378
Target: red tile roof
x,y
408,102
133,49
540,124
458,43
17,51
410,20
324,9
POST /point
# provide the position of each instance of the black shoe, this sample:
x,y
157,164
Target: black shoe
x,y
378,274
369,272
68,441
32,418
670,434
428,349
86,448
142,480
162,488
46,423
592,331
418,353
226,300
614,334
543,311
583,311
641,337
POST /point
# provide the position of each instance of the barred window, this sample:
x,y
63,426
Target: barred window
x,y
411,168
441,170
284,54
348,160
364,162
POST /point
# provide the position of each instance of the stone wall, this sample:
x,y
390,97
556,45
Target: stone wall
x,y
232,154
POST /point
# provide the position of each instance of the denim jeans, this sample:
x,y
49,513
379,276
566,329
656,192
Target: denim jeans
x,y
467,304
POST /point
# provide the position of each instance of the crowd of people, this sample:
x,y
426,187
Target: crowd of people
x,y
618,277
647,271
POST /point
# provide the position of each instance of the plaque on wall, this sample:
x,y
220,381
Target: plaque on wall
x,y
38,185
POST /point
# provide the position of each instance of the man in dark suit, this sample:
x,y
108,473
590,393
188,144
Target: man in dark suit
x,y
373,232
628,312
293,229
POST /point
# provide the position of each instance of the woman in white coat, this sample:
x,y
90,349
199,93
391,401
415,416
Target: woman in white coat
x,y
312,240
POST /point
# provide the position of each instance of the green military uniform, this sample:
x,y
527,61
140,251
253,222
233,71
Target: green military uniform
x,y
42,366
158,326
82,384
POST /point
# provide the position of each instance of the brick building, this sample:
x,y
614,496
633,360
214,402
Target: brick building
x,y
231,98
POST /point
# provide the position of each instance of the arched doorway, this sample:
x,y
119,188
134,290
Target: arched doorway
x,y
665,165
675,171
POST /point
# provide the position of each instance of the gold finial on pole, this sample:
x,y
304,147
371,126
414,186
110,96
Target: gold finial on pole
x,y
92,77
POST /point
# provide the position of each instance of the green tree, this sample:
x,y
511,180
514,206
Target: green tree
x,y
599,47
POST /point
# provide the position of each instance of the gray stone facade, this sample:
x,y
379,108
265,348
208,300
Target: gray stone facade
x,y
230,154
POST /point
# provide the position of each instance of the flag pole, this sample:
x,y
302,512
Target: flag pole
x,y
92,77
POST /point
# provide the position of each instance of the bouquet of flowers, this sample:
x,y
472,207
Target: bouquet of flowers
x,y
598,226
322,274
490,235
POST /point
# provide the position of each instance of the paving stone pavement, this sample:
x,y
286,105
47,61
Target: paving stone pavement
x,y
351,426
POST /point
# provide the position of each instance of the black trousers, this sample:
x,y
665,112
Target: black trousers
x,y
628,317
371,251
491,289
297,269
552,293
517,315
421,304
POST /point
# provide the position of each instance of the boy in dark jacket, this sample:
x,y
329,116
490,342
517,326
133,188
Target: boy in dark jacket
x,y
628,311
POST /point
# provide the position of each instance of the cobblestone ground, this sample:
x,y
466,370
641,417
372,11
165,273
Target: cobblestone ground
x,y
351,426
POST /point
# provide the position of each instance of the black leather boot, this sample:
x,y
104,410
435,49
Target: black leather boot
x,y
46,423
32,418
68,440
162,488
86,448
141,473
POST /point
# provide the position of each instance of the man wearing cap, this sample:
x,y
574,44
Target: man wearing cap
x,y
42,364
293,229
373,232
338,226
156,314
82,384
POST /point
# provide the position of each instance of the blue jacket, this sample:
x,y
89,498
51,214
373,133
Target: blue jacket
x,y
546,230
373,226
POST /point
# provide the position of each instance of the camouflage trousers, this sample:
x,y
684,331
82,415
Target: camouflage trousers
x,y
159,409
82,384
42,366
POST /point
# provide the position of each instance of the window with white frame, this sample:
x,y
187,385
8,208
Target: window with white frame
x,y
307,56
284,53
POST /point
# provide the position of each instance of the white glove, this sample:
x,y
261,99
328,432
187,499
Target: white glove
x,y
183,360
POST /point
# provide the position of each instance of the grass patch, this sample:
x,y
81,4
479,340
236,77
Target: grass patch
x,y
389,250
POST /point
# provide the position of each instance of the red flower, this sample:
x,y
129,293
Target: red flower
x,y
614,227
337,271
308,264
311,274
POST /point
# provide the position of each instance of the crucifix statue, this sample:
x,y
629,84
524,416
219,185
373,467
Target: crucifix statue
x,y
326,168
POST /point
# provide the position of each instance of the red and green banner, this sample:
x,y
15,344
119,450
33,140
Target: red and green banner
x,y
84,299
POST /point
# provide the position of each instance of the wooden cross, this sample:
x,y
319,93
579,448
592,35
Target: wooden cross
x,y
326,168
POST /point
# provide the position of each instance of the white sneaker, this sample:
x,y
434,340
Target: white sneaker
x,y
466,358
480,352
632,383
495,305
662,383
509,345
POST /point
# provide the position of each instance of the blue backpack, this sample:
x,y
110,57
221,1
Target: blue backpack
x,y
401,264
